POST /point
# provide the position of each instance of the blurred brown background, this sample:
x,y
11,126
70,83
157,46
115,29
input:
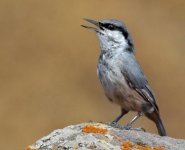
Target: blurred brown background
x,y
48,64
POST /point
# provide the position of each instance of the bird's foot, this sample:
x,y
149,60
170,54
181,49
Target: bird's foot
x,y
125,127
129,127
114,124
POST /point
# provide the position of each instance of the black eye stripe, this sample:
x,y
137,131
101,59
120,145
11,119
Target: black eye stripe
x,y
114,27
109,26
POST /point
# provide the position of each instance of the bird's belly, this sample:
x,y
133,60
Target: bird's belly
x,y
118,91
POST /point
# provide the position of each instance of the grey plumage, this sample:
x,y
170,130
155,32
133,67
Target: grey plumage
x,y
120,74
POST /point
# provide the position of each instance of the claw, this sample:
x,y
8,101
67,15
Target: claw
x,y
128,127
113,123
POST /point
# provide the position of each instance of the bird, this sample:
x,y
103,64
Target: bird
x,y
120,73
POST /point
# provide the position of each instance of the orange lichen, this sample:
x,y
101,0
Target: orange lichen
x,y
159,148
127,146
94,129
28,148
130,146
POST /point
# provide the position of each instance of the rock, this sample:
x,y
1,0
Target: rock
x,y
104,137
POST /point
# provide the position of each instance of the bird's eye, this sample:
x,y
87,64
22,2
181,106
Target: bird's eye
x,y
110,26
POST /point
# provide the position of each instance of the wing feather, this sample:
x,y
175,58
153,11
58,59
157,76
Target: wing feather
x,y
138,82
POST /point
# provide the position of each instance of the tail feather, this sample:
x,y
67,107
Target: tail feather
x,y
156,118
161,128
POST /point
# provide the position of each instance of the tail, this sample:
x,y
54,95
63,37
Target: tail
x,y
154,116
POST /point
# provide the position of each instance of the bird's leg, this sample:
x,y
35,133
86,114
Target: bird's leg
x,y
115,121
129,125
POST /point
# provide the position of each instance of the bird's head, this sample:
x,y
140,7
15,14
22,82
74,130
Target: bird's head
x,y
111,33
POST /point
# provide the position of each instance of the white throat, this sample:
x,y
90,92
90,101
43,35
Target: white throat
x,y
112,40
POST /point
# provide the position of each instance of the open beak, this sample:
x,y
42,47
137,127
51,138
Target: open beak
x,y
93,22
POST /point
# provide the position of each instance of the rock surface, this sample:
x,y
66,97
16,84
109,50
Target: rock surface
x,y
104,137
